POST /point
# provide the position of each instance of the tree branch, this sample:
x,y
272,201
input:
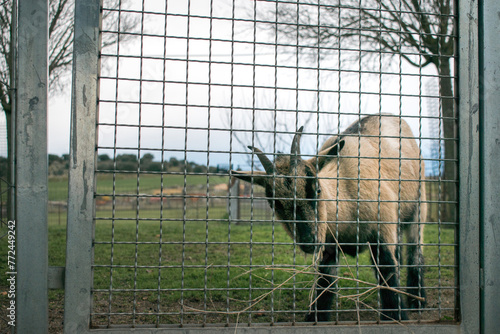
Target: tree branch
x,y
403,29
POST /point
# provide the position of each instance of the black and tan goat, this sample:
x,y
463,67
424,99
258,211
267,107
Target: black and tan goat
x,y
361,190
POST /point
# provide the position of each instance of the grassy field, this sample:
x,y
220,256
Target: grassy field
x,y
172,267
199,282
127,183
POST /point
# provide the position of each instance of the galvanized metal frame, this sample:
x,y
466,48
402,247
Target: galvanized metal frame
x,y
31,167
80,209
469,152
489,111
78,279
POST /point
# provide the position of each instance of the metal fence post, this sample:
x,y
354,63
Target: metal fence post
x,y
468,91
31,171
78,278
489,68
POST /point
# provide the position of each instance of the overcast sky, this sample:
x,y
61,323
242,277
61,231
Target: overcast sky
x,y
229,105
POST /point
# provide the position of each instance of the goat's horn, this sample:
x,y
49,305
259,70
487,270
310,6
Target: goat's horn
x,y
295,151
268,165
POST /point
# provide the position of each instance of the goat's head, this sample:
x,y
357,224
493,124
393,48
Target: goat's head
x,y
293,191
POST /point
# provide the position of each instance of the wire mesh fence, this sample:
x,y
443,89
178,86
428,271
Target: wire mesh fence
x,y
179,241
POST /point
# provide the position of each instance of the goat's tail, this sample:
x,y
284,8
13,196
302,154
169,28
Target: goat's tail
x,y
415,239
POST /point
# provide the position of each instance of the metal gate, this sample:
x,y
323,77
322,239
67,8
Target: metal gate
x,y
167,95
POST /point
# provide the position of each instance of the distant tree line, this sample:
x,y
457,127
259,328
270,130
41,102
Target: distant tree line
x,y
129,162
59,165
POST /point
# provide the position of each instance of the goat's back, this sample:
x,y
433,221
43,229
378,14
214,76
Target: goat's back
x,y
379,171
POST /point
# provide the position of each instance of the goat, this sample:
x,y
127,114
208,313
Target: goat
x,y
361,189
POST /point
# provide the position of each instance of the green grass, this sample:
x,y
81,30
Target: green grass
x,y
192,273
173,256
127,184
58,188
155,249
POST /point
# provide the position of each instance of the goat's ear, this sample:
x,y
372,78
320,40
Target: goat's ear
x,y
258,177
325,155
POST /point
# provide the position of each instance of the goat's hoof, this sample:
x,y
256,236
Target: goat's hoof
x,y
317,317
415,304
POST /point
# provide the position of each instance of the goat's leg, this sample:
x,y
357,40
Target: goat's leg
x,y
415,236
392,303
320,310
415,280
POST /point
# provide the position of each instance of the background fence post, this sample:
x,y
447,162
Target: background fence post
x,y
489,83
233,207
31,168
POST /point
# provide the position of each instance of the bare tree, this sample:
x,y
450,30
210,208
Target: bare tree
x,y
422,32
271,128
61,25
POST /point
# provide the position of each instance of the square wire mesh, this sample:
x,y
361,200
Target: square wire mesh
x,y
188,86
